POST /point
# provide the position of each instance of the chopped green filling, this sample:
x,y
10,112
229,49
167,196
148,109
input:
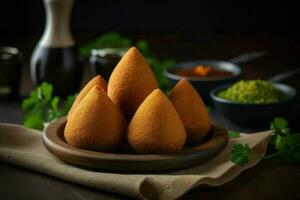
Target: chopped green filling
x,y
252,91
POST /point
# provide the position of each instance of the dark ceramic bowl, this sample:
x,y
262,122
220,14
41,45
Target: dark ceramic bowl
x,y
104,60
205,85
253,116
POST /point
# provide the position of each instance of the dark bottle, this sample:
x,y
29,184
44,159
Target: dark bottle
x,y
55,58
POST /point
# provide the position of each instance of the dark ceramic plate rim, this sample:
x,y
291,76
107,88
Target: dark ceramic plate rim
x,y
220,135
291,95
186,64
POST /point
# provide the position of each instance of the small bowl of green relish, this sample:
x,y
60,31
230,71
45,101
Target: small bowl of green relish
x,y
253,103
253,91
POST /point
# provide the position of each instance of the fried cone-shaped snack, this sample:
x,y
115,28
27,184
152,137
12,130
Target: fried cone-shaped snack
x,y
131,82
96,81
96,124
191,110
156,126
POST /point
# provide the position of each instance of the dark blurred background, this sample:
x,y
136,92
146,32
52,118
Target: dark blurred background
x,y
194,22
96,16
202,23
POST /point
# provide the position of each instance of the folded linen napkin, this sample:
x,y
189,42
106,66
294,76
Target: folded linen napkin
x,y
24,147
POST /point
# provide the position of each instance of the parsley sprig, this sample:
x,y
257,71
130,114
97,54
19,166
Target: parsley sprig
x,y
240,154
285,143
41,106
233,134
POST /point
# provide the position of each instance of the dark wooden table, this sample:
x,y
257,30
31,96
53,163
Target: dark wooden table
x,y
270,179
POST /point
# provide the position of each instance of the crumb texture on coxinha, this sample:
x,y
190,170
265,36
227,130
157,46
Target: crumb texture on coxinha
x,y
156,126
96,81
131,82
191,110
96,124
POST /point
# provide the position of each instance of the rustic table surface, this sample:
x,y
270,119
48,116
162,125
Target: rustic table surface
x,y
270,179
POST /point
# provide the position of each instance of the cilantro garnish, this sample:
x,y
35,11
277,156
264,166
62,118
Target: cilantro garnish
x,y
41,106
240,154
285,143
233,134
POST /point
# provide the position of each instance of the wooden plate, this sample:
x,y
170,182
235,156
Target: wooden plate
x,y
54,141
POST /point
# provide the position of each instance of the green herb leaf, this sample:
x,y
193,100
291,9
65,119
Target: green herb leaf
x,y
54,103
208,108
28,104
280,126
143,46
53,112
289,147
68,104
240,154
42,107
34,94
34,122
284,143
233,134
46,90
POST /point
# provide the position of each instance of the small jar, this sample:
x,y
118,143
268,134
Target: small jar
x,y
10,72
104,60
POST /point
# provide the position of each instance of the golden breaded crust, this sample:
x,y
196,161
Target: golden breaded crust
x,y
131,82
96,81
191,110
96,124
156,127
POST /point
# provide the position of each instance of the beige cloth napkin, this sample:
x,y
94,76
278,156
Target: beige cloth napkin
x,y
24,147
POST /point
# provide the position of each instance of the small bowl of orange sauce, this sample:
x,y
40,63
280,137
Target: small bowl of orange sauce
x,y
204,75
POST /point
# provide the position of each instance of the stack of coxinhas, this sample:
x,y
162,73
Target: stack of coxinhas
x,y
130,109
